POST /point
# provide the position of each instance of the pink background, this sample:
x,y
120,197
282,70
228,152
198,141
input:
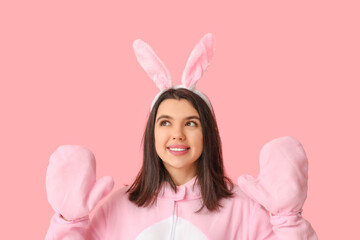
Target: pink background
x,y
68,75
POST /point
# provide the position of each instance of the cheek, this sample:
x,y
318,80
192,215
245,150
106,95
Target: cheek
x,y
160,139
158,148
199,142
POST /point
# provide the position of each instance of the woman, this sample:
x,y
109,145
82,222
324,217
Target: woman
x,y
181,191
175,150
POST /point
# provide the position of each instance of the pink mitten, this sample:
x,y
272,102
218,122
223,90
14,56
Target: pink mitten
x,y
71,185
281,186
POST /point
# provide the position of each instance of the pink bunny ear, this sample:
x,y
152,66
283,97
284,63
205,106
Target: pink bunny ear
x,y
198,61
152,65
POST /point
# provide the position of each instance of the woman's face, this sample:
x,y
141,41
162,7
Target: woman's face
x,y
178,138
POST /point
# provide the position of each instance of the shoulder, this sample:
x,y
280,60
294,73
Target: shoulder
x,y
119,198
239,194
240,199
240,208
121,192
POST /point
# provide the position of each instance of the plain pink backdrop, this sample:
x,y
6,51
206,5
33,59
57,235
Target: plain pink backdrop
x,y
68,75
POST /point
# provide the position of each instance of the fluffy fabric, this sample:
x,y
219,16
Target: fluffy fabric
x,y
71,185
282,184
198,61
196,65
72,191
152,65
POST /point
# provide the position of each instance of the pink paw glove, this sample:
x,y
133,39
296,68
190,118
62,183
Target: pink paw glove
x,y
71,185
281,186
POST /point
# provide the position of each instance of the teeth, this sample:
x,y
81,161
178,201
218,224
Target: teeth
x,y
178,149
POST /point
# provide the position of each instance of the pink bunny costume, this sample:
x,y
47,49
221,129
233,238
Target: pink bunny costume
x,y
268,207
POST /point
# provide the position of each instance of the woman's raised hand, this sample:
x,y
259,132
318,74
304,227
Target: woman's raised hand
x,y
71,185
281,186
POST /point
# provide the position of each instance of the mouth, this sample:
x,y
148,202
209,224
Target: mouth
x,y
178,150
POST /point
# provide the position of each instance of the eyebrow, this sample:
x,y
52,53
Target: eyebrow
x,y
169,117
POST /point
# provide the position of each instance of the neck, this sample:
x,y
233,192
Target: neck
x,y
181,177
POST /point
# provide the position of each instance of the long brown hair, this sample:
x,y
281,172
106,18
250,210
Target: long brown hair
x,y
210,169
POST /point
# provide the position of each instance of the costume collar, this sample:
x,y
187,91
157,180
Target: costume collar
x,y
188,191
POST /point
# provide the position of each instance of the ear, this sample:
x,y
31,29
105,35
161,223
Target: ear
x,y
152,65
198,61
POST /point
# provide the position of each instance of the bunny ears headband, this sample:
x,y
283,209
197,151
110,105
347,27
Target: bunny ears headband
x,y
196,65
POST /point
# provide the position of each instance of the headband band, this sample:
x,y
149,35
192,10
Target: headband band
x,y
196,65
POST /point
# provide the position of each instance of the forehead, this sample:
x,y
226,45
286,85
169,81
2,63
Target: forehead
x,y
176,108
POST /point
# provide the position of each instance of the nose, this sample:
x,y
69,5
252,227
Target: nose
x,y
178,133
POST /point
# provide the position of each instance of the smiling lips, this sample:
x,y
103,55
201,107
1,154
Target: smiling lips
x,y
178,149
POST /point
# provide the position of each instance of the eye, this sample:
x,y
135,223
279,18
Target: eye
x,y
164,123
192,124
